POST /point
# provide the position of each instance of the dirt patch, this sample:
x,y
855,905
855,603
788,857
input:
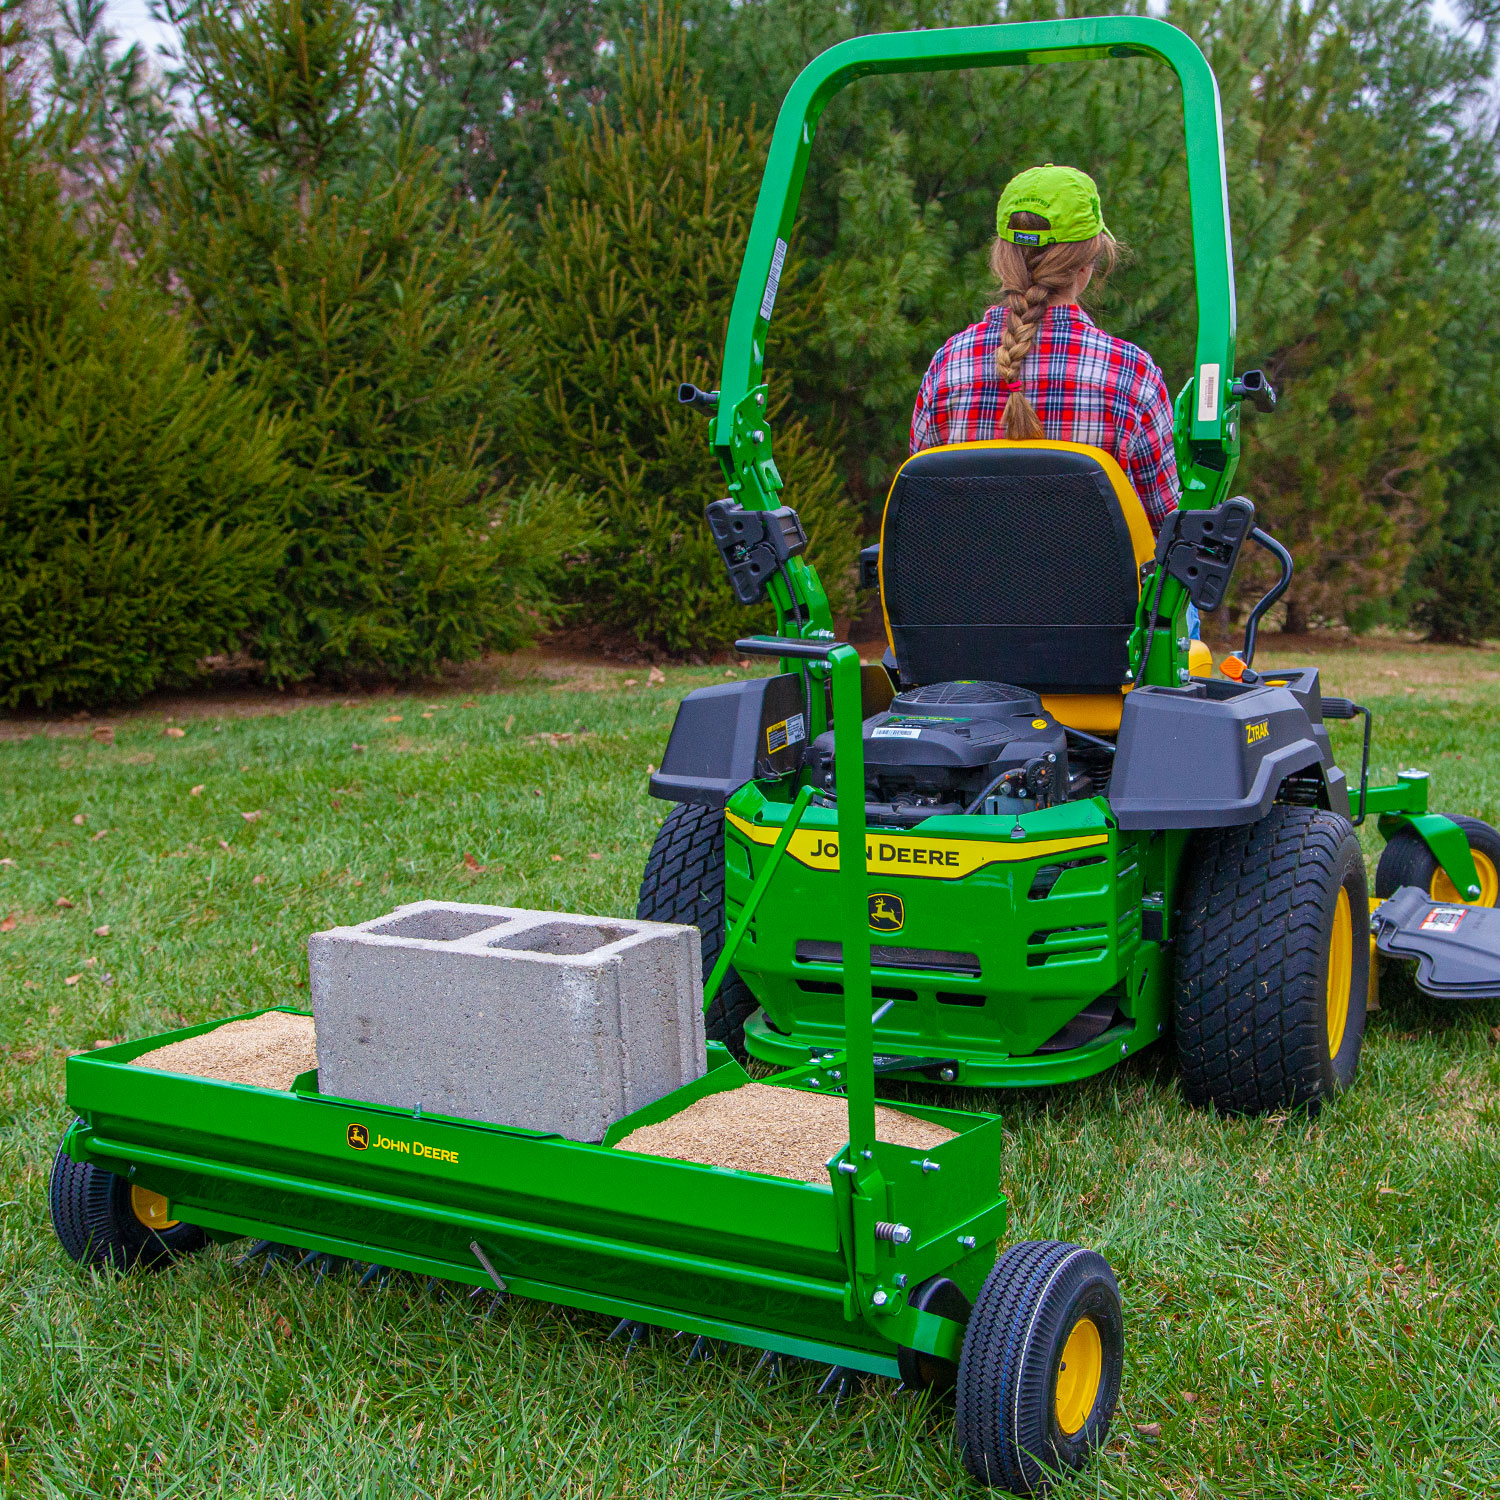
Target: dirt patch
x,y
267,1051
782,1132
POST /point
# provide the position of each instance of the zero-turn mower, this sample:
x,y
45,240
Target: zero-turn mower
x,y
1079,836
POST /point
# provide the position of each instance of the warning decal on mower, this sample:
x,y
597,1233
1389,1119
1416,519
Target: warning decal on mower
x,y
916,858
788,732
773,281
1444,918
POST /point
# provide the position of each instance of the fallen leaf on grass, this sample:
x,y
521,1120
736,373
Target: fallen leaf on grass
x,y
8,925
257,880
632,681
1190,1397
7,861
656,676
510,722
730,672
102,931
73,978
557,859
103,734
592,855
1148,1429
196,791
470,863
358,748
79,820
469,704
172,732
253,817
350,703
393,718
426,716
746,662
63,902
103,833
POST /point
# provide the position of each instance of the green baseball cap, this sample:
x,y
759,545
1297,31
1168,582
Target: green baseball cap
x,y
1064,196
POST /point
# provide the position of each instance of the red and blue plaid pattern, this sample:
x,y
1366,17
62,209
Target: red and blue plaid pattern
x,y
1086,385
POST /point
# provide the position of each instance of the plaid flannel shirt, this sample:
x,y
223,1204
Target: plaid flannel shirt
x,y
1087,387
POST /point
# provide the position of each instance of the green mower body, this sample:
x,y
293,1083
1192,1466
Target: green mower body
x,y
1042,935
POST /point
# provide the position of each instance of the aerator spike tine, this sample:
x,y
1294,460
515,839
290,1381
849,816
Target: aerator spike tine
x,y
840,1380
769,1361
375,1273
633,1331
307,1259
702,1348
258,1248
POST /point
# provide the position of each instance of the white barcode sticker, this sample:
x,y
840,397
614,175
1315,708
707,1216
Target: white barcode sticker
x,y
1444,919
1208,393
773,281
895,732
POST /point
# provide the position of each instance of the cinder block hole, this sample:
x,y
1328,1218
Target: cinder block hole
x,y
566,939
439,926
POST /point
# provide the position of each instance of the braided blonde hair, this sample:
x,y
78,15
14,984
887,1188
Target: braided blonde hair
x,y
1029,279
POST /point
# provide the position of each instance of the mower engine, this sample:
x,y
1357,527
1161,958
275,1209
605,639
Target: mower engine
x,y
957,747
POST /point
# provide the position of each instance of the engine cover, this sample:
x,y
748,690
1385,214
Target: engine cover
x,y
938,748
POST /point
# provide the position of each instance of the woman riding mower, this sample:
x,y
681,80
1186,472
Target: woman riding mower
x,y
1036,366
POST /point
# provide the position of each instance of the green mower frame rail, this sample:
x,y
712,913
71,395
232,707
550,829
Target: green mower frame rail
x,y
990,1010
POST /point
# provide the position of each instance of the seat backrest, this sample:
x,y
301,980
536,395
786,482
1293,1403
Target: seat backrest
x,y
1013,562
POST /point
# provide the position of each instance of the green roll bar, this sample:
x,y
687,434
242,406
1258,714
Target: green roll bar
x,y
1208,433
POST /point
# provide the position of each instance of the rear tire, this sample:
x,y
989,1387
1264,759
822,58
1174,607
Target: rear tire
x,y
1039,1373
1273,963
103,1220
684,883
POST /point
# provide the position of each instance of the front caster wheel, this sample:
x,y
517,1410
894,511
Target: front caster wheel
x,y
103,1220
1039,1372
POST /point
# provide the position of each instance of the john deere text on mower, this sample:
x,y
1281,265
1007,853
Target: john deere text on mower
x,y
1080,837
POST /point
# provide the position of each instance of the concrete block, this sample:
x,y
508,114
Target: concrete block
x,y
542,1019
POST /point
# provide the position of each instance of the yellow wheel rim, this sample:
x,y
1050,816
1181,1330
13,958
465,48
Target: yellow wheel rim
x,y
1340,972
1443,889
1078,1375
151,1209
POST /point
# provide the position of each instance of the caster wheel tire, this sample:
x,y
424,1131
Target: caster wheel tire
x,y
684,883
1039,1374
1273,963
1406,860
103,1220
930,1372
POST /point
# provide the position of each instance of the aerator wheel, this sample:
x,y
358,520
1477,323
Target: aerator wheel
x,y
1273,963
103,1220
1406,860
684,883
1039,1374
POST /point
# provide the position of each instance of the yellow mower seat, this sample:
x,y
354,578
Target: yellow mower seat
x,y
1016,562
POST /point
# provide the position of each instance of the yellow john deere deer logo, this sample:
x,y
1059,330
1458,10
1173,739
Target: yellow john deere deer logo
x,y
358,1137
886,913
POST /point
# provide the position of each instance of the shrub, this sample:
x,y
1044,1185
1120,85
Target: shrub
x,y
140,494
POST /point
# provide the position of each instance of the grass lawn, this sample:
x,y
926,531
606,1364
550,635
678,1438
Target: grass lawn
x,y
1311,1308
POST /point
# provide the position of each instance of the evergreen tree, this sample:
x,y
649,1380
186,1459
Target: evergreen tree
x,y
638,249
379,321
140,495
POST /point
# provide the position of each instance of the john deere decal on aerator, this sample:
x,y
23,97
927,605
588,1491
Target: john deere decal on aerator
x,y
988,859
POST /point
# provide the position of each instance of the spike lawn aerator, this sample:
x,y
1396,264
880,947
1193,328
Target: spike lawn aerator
x,y
987,860
1079,837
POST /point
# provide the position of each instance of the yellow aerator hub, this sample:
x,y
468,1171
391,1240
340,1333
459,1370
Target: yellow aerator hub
x,y
1340,972
1079,1372
151,1209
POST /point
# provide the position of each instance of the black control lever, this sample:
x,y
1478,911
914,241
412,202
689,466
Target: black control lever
x,y
1277,589
689,395
1253,387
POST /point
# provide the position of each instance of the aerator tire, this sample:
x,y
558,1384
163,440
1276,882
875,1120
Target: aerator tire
x,y
1024,1417
97,1224
684,882
1406,860
1273,963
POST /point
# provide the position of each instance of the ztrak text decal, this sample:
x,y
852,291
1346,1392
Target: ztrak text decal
x,y
1255,733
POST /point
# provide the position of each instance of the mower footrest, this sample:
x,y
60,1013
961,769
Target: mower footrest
x,y
1456,948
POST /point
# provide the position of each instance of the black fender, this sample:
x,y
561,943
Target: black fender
x,y
731,733
1214,755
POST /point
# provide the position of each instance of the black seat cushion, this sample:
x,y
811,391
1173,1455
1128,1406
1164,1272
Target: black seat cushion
x,y
1010,563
